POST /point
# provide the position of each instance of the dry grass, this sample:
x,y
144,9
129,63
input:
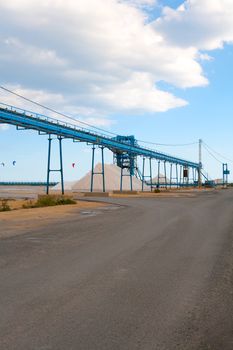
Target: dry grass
x,y
50,201
42,201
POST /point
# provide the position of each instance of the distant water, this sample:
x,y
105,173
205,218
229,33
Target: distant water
x,y
21,192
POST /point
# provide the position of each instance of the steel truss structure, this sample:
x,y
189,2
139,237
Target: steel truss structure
x,y
126,149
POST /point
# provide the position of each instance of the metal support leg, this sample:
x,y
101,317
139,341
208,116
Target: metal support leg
x,y
61,165
143,173
171,175
103,174
121,184
131,182
147,176
130,176
158,174
48,168
180,175
165,175
131,172
177,178
183,175
92,167
151,187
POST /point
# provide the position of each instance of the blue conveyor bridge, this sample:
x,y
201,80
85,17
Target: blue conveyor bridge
x,y
126,149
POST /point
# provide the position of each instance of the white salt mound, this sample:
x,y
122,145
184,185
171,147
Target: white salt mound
x,y
162,179
112,181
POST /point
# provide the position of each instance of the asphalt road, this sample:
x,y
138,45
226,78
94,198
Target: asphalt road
x,y
153,274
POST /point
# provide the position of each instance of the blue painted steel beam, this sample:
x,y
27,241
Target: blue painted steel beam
x,y
30,120
34,183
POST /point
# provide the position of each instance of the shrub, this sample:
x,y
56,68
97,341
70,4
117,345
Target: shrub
x,y
64,201
4,205
29,204
48,201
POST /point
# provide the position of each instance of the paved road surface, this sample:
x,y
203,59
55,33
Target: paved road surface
x,y
154,274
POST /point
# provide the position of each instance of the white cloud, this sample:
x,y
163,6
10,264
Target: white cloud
x,y
203,24
42,97
30,54
95,57
57,102
139,94
140,3
205,57
99,122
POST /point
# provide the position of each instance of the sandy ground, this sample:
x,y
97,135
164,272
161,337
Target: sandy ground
x,y
17,221
18,203
169,193
20,221
27,193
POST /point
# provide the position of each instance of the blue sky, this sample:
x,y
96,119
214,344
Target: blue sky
x,y
116,91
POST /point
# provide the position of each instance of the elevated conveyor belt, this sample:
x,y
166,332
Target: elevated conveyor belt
x,y
31,120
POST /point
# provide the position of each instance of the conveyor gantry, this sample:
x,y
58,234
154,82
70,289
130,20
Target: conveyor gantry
x,y
119,145
30,120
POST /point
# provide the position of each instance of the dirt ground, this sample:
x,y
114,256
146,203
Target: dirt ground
x,y
15,221
20,220
173,193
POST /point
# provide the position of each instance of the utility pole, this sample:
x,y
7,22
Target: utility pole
x,y
200,163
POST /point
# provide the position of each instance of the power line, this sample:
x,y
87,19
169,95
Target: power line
x,y
219,154
169,144
87,124
55,111
212,155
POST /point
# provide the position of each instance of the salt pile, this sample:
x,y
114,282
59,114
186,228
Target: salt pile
x,y
112,181
160,178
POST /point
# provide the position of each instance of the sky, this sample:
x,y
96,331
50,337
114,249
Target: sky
x,y
160,70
